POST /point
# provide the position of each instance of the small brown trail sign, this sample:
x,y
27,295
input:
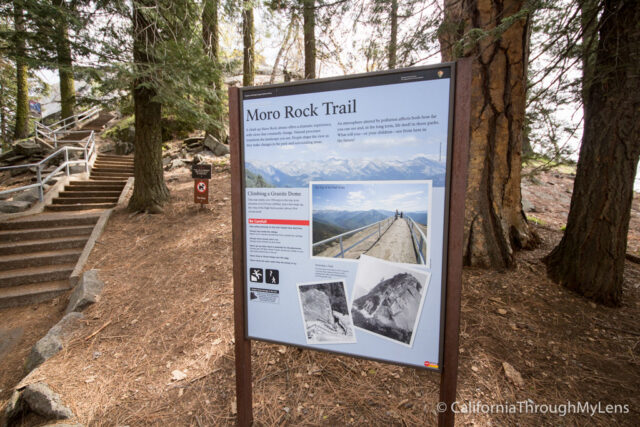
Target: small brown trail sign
x,y
201,191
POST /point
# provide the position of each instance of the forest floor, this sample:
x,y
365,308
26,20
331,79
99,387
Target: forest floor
x,y
168,306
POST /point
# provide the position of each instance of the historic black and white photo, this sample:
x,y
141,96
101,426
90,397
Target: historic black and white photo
x,y
325,312
387,299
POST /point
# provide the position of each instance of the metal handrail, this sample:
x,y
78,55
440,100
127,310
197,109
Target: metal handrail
x,y
89,149
423,240
49,134
340,236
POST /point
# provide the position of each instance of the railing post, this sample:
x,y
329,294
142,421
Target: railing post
x,y
40,188
86,160
341,248
66,159
379,234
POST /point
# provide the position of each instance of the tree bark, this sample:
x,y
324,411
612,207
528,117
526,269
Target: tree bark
x,y
211,37
150,191
22,97
248,70
589,26
65,62
393,41
590,257
309,29
495,223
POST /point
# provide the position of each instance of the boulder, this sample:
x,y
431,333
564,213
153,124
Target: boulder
x,y
13,206
27,148
527,206
87,292
195,140
53,341
218,148
31,195
124,148
39,398
107,147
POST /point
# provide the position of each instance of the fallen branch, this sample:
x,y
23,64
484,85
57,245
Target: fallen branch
x,y
633,258
98,331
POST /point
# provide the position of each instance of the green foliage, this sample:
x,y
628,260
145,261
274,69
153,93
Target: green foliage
x,y
535,220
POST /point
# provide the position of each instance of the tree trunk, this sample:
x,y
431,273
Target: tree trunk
x,y
22,97
283,47
65,64
309,28
210,37
590,257
495,223
149,191
589,26
393,42
249,70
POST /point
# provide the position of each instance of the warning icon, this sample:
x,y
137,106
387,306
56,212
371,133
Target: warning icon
x,y
273,277
256,275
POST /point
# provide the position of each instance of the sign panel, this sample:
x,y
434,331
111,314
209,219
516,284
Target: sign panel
x,y
345,186
35,107
201,171
201,191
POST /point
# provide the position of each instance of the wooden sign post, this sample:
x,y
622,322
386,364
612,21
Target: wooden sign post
x,y
451,194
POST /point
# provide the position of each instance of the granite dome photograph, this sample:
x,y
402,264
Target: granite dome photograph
x,y
388,298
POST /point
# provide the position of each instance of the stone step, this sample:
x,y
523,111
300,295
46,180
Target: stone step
x,y
103,164
102,168
80,207
41,221
116,175
42,245
84,193
114,158
96,186
111,179
24,276
35,259
32,293
80,200
45,233
112,162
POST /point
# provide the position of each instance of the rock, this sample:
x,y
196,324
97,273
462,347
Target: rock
x,y
124,148
502,311
193,140
40,399
218,148
178,375
53,341
8,206
175,163
527,206
107,147
87,292
513,375
31,195
13,409
27,148
166,161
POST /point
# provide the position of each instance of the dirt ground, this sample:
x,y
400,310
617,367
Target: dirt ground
x,y
167,307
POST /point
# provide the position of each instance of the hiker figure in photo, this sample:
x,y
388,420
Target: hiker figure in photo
x,y
400,214
396,214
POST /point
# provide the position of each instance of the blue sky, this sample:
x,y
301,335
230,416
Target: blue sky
x,y
406,196
423,98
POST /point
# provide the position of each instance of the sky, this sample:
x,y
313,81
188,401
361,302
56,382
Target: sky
x,y
405,196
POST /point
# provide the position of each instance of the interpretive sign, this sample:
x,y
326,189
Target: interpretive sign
x,y
345,185
348,199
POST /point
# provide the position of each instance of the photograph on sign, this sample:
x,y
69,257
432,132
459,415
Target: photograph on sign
x,y
387,299
325,312
384,219
345,196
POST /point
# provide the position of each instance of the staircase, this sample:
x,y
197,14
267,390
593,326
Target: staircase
x,y
39,253
108,177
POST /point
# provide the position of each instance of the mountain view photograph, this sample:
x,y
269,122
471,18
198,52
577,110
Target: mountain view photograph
x,y
387,299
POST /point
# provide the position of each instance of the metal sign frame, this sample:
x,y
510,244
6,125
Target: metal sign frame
x,y
459,130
